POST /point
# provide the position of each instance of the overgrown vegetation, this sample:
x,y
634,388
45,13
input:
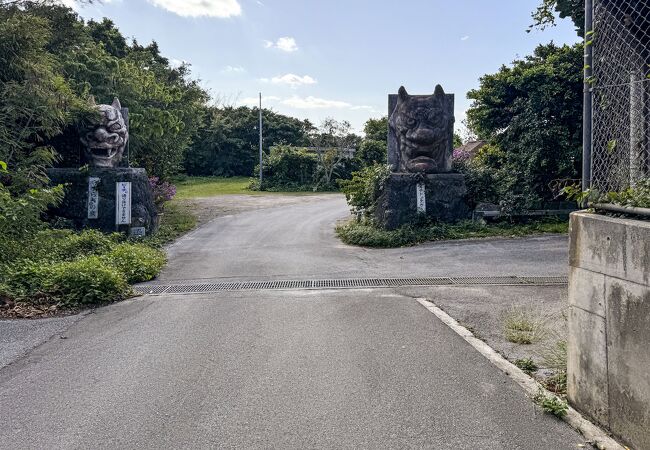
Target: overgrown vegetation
x,y
527,365
637,196
530,114
551,404
289,169
58,270
367,235
332,156
364,188
227,144
176,221
522,326
555,359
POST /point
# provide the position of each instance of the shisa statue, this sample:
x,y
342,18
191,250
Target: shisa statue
x,y
105,143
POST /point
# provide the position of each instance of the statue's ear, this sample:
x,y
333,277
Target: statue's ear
x,y
402,95
91,100
439,91
116,104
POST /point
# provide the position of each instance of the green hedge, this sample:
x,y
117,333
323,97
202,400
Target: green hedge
x,y
77,269
87,281
137,262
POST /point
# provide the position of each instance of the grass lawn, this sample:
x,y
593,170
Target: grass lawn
x,y
192,187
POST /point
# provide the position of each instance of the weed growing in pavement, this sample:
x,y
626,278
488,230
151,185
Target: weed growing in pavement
x,y
555,358
523,327
551,404
527,365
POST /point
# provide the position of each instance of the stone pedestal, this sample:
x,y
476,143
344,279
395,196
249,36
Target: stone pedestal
x,y
444,199
75,205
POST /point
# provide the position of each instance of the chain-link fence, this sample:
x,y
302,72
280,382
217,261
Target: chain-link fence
x,y
620,93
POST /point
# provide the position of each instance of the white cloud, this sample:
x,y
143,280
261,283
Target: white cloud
x,y
314,103
200,8
233,69
291,80
286,44
464,38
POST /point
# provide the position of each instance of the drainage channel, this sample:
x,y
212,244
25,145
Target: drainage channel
x,y
203,288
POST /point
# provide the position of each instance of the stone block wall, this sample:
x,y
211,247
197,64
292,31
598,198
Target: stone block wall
x,y
609,324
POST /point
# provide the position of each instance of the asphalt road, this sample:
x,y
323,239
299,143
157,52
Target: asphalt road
x,y
298,242
278,369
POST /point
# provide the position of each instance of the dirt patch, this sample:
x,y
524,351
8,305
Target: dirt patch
x,y
208,208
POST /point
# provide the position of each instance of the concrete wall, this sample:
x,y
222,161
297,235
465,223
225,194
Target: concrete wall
x,y
609,324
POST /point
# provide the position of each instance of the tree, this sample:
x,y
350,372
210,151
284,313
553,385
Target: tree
x,y
227,144
531,114
36,101
458,141
333,142
373,147
545,14
376,129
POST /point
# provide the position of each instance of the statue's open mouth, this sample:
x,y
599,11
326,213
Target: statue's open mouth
x,y
422,158
104,152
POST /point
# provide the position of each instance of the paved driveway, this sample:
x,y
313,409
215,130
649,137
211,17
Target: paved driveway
x,y
352,368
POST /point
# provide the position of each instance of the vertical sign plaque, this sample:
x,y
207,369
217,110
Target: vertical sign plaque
x,y
123,203
93,197
421,197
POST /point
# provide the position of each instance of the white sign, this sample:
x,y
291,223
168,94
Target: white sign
x,y
138,232
422,198
123,203
93,197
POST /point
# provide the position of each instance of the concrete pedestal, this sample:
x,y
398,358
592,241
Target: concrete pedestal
x,y
75,205
444,198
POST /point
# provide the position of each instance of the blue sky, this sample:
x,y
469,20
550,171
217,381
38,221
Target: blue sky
x,y
334,58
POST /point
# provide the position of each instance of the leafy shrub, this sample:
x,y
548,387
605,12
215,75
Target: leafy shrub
x,y
6,295
163,191
87,281
372,152
289,168
85,243
636,196
27,277
20,217
365,234
551,404
365,187
527,365
137,262
537,131
480,177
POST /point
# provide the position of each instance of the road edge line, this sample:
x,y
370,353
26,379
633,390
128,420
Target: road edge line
x,y
590,431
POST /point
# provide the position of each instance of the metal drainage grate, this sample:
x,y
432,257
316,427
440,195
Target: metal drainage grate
x,y
546,280
349,283
488,280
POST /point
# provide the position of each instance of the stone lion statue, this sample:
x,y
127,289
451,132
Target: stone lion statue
x,y
423,127
106,141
